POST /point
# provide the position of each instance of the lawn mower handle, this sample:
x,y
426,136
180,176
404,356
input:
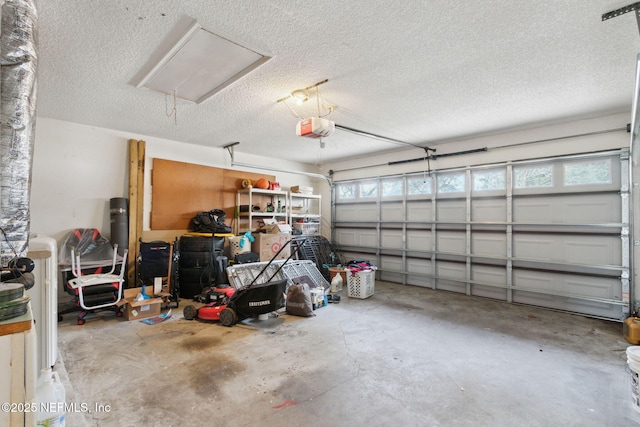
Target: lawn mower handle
x,y
299,242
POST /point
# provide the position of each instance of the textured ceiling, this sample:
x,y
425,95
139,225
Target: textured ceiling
x,y
424,72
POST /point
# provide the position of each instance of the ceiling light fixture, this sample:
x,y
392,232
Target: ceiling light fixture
x,y
300,96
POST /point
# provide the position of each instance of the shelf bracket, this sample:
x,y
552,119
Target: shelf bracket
x,y
229,148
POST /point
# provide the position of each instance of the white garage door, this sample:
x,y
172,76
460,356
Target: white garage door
x,y
552,233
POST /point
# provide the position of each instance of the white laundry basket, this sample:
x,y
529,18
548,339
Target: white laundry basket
x,y
361,284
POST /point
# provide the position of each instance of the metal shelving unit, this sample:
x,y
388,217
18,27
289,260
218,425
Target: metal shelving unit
x,y
308,209
247,218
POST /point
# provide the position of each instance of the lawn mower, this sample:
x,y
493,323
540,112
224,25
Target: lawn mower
x,y
229,305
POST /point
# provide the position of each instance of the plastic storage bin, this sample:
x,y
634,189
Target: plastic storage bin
x,y
307,227
361,284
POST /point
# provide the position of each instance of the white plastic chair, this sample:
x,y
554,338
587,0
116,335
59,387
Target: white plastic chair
x,y
82,281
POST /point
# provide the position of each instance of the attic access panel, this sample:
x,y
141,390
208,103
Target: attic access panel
x,y
201,64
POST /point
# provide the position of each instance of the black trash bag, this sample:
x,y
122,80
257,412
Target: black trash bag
x,y
210,222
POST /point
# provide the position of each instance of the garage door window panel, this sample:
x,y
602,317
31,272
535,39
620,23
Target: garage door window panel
x,y
538,177
488,182
451,183
418,186
346,191
368,190
587,173
392,188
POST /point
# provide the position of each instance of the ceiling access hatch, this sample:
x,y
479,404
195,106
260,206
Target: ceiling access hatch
x,y
199,65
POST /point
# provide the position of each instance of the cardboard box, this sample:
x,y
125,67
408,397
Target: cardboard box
x,y
275,227
134,310
267,245
278,229
301,189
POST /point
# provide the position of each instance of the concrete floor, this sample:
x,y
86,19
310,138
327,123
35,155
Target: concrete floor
x,y
407,356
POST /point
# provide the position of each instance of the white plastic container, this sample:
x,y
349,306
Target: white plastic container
x,y
50,398
336,284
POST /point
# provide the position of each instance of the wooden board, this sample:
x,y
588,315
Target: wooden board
x,y
136,194
181,190
17,324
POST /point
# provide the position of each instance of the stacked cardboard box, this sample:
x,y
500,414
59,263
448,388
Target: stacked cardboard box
x,y
267,245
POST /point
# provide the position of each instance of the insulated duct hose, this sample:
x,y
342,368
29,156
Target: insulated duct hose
x,y
18,58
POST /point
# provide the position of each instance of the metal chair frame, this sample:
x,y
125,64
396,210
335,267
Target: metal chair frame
x,y
81,281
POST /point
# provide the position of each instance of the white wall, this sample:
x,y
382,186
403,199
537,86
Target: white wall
x,y
77,169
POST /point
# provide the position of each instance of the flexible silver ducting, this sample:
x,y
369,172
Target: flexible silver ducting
x,y
18,60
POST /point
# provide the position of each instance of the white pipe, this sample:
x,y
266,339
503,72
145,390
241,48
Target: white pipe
x,y
230,146
633,188
311,174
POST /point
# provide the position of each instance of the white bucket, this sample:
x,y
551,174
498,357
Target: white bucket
x,y
633,361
